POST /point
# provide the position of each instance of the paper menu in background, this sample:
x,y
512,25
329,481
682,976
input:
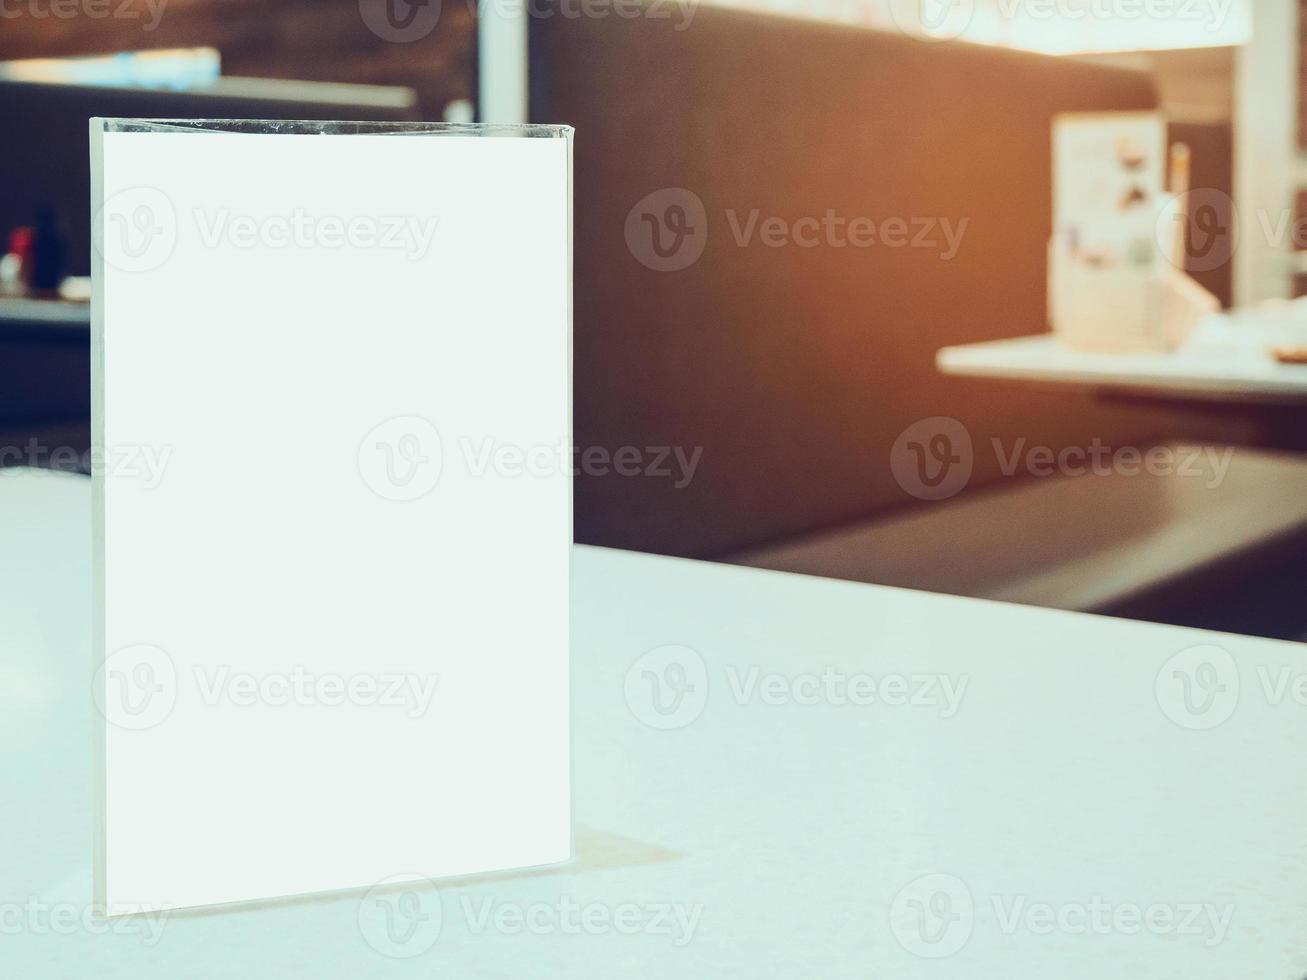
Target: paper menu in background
x,y
1108,167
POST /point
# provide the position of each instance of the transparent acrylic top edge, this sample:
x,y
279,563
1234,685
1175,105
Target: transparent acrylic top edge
x,y
325,127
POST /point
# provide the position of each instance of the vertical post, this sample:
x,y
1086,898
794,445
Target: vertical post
x,y
1266,167
502,61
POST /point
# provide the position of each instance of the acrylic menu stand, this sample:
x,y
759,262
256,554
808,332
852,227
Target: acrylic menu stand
x,y
332,505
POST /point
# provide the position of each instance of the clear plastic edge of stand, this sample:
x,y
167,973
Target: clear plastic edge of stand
x,y
325,127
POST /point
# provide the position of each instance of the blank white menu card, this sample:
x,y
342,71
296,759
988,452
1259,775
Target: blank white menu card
x,y
332,506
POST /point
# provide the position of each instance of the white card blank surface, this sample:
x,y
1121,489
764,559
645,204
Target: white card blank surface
x,y
333,510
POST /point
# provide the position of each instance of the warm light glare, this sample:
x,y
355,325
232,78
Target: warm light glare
x,y
1049,26
172,68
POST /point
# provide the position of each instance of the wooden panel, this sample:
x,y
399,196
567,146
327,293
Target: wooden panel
x,y
794,369
1209,245
1131,534
316,40
1299,241
1196,84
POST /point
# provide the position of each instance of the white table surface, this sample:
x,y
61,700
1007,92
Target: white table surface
x,y
1208,374
786,831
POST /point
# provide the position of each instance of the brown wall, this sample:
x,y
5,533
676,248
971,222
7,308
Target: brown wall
x,y
315,40
1209,260
795,369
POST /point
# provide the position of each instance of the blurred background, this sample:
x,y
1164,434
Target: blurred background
x,y
986,297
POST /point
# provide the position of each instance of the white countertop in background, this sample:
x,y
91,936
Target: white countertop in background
x,y
55,313
1213,374
1021,787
